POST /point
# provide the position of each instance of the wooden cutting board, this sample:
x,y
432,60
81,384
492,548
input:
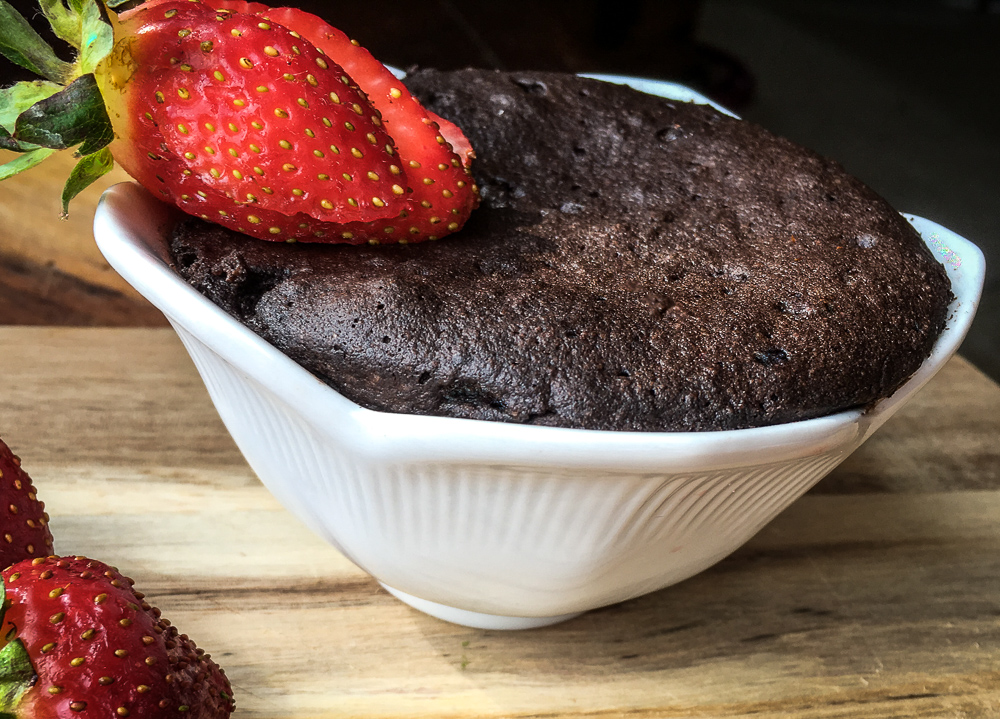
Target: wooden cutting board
x,y
876,595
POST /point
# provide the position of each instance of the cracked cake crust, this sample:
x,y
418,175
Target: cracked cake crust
x,y
636,264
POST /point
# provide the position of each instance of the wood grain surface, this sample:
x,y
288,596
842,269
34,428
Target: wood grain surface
x,y
51,272
875,595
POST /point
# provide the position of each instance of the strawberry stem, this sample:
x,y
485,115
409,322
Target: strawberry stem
x,y
37,118
20,44
87,170
65,21
24,162
68,118
96,35
17,675
16,99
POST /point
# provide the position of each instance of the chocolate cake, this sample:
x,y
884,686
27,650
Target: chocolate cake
x,y
636,264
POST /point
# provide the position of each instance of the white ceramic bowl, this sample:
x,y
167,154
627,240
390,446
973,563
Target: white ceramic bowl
x,y
500,525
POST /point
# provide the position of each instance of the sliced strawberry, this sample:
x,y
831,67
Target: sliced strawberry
x,y
269,136
456,138
441,194
248,117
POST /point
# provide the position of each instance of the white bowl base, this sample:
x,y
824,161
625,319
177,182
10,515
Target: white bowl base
x,y
554,519
476,620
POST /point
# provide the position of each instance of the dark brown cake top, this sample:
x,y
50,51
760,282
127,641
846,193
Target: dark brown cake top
x,y
636,264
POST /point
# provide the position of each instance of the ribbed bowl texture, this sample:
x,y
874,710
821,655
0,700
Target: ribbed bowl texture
x,y
491,524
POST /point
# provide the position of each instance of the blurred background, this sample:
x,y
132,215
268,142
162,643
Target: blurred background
x,y
903,93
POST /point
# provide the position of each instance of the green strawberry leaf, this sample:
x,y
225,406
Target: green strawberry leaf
x,y
70,117
65,21
16,677
9,143
16,99
96,37
20,44
24,162
86,171
116,3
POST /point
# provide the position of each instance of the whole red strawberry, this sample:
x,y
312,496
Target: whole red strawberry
x,y
270,122
81,642
24,529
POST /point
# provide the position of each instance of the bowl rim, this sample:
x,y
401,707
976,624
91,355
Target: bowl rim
x,y
132,231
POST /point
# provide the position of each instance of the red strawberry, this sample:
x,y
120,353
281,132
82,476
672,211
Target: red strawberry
x,y
270,122
435,152
25,527
81,642
236,119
